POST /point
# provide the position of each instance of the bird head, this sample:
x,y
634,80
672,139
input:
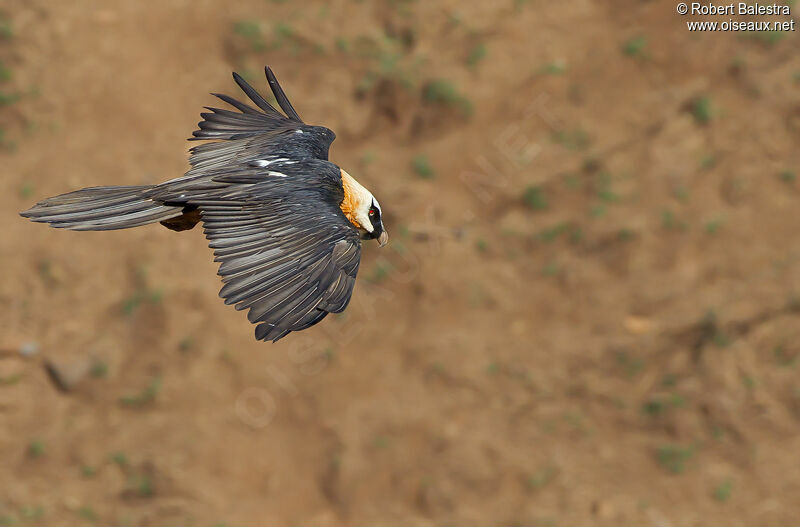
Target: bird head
x,y
363,210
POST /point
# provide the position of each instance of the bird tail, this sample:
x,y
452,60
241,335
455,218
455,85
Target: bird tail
x,y
101,209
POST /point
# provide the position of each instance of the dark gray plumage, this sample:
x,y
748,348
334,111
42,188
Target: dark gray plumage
x,y
269,201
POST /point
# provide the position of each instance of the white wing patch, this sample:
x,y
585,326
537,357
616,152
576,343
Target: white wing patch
x,y
267,162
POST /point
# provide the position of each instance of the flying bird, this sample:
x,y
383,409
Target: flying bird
x,y
285,223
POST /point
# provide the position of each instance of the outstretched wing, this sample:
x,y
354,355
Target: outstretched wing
x,y
255,133
288,258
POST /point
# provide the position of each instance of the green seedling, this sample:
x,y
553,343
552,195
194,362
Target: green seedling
x,y
702,110
541,478
444,92
99,369
635,47
146,396
554,68
36,448
252,33
422,167
722,493
674,457
476,55
119,459
87,513
576,139
534,197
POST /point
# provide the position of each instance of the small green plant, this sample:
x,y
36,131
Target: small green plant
x,y
520,4
251,32
7,99
88,471
476,55
660,405
554,68
119,459
606,193
702,109
669,380
576,139
26,190
381,272
796,76
635,47
576,236
282,32
444,92
551,269
481,245
99,369
342,45
36,448
625,234
708,161
31,513
87,513
737,64
535,198
674,457
186,344
140,296
140,485
10,380
598,211
422,167
6,30
382,442
681,193
793,302
722,339
722,492
782,357
147,395
787,176
541,477
5,73
552,233
368,158
573,181
768,38
714,225
670,221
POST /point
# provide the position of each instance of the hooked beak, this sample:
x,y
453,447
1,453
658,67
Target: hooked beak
x,y
383,239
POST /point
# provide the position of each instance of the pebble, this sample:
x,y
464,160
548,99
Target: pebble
x,y
66,375
29,349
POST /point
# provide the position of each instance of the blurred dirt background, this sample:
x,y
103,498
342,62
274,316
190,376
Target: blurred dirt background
x,y
588,313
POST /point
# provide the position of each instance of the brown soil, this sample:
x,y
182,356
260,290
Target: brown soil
x,y
586,314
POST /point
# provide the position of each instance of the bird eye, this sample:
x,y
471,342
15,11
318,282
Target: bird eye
x,y
371,212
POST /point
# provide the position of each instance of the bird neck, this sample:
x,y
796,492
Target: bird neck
x,y
356,197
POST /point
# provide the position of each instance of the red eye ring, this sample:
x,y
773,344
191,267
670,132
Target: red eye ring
x,y
371,212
